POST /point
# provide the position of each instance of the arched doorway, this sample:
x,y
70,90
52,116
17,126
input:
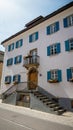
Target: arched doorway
x,y
33,78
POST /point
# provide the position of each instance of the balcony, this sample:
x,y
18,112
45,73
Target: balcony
x,y
30,61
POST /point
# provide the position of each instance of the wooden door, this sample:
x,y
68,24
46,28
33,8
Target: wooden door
x,y
33,80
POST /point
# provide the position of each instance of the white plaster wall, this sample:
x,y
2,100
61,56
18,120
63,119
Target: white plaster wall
x,y
61,61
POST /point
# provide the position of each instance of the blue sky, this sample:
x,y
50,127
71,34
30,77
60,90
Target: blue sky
x,y
14,14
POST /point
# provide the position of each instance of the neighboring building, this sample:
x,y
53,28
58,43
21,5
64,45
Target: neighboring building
x,y
1,64
43,54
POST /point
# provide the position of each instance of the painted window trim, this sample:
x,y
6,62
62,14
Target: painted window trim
x,y
58,49
56,28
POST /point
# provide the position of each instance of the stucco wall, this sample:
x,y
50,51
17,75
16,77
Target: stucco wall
x,y
61,61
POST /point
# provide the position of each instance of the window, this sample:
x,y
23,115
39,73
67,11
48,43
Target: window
x,y
11,47
18,59
53,28
7,79
19,43
54,76
68,21
9,61
70,74
33,37
69,44
16,78
53,49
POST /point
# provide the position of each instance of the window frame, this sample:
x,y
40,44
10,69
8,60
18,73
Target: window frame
x,y
17,78
8,79
33,37
11,62
19,43
16,61
11,47
53,49
52,28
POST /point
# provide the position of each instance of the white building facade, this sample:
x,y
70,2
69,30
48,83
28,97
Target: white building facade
x,y
44,48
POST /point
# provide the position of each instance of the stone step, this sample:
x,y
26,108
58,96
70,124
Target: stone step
x,y
46,99
40,96
61,111
43,98
57,108
53,105
48,102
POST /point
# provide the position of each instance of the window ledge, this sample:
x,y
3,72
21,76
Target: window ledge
x,y
71,80
7,82
52,81
15,82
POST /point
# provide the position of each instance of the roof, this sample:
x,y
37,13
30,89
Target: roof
x,y
1,56
39,20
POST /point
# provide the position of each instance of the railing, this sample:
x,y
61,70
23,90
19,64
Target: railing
x,y
21,87
31,60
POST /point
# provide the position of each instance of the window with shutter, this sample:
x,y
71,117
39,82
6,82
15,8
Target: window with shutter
x,y
18,59
33,37
19,43
68,21
54,76
9,61
7,79
11,47
69,44
16,78
53,49
53,28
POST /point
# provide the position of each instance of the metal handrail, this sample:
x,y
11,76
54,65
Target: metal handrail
x,y
22,86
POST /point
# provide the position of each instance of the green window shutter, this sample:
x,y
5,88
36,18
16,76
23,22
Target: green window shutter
x,y
19,78
9,48
11,61
36,38
48,75
57,26
21,42
17,44
12,46
5,79
69,75
67,45
20,59
65,23
15,60
59,75
13,78
48,51
30,38
58,48
7,62
10,79
48,30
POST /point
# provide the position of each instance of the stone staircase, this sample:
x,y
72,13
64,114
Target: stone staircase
x,y
52,105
